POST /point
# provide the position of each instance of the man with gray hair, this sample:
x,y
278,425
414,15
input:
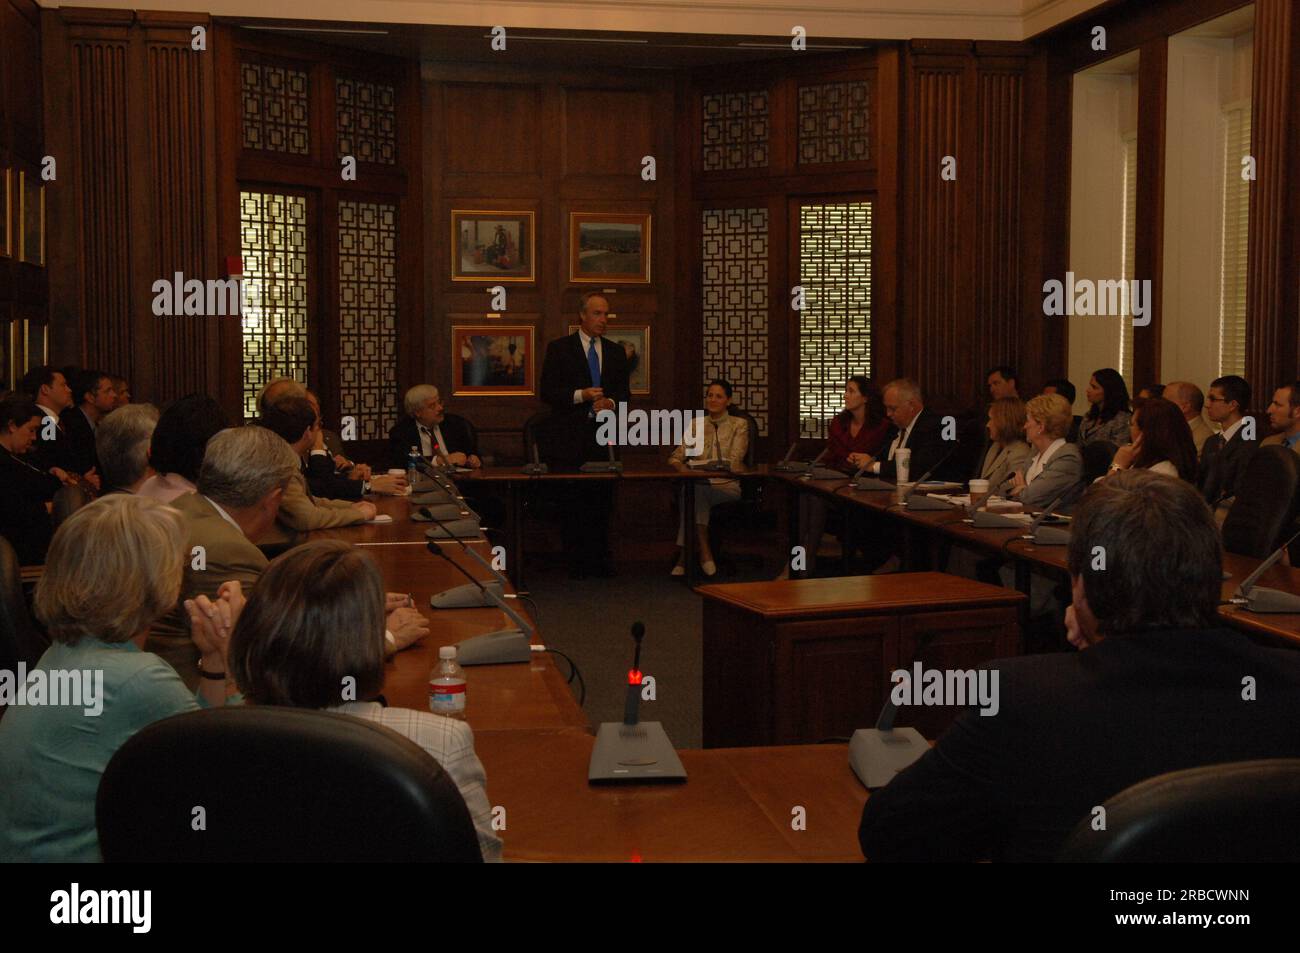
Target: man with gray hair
x,y
916,429
1191,402
122,445
427,426
1158,687
244,473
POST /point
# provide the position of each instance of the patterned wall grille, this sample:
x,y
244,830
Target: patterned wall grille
x,y
367,120
833,122
273,242
275,108
735,305
835,324
368,316
736,130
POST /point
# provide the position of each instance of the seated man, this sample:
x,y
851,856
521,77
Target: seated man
x,y
1159,689
1284,417
50,391
332,475
1226,455
95,399
293,420
426,426
122,446
1191,402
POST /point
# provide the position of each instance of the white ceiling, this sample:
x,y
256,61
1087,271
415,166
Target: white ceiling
x,y
844,19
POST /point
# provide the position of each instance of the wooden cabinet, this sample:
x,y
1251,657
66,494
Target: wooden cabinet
x,y
799,661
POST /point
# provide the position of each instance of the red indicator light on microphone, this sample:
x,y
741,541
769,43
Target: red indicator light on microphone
x,y
633,677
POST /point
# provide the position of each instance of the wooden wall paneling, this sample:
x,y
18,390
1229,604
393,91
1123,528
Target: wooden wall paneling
x,y
226,106
20,85
1128,26
936,318
182,185
887,241
1272,348
412,295
997,330
1149,243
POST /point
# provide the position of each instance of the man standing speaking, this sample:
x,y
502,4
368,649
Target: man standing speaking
x,y
580,377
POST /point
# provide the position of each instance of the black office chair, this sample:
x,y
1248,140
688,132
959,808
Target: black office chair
x,y
1262,514
1097,457
67,500
278,784
746,511
470,429
1247,811
20,640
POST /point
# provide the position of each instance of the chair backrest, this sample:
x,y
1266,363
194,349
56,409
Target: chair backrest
x,y
278,784
1220,813
1097,456
534,431
752,424
466,423
67,500
1265,503
20,641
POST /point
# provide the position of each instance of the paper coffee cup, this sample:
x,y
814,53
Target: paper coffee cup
x,y
979,486
396,472
903,464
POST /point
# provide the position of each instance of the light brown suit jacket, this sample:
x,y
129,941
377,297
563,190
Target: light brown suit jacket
x,y
227,554
300,512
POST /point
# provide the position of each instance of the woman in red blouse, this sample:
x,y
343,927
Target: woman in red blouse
x,y
857,430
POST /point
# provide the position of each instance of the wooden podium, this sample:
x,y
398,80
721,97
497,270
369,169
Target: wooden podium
x,y
802,660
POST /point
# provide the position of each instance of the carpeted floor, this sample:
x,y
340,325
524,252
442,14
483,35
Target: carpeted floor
x,y
591,621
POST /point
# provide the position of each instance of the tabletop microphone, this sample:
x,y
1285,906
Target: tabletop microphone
x,y
467,596
1260,599
603,466
784,465
451,489
815,472
1054,535
920,501
632,701
496,647
860,482
536,468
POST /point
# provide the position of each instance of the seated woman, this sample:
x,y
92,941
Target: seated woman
x,y
855,434
1056,465
24,515
1007,451
1161,442
114,567
312,636
1108,417
725,438
176,449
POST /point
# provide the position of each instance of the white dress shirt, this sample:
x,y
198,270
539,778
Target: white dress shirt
x,y
1040,462
427,437
600,357
898,443
1227,432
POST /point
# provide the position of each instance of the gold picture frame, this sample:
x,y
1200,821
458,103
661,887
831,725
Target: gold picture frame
x,y
31,231
636,334
493,245
609,248
485,360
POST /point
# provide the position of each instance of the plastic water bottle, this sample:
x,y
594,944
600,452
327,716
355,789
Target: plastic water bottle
x,y
447,685
412,466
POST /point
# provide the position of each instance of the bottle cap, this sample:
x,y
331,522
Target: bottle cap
x,y
447,651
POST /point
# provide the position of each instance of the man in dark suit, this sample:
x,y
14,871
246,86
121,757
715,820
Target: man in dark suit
x,y
581,376
1227,454
49,389
915,429
1160,686
427,426
95,398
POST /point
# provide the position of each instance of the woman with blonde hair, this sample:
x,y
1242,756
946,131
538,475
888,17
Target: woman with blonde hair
x,y
113,568
312,636
1057,464
1008,451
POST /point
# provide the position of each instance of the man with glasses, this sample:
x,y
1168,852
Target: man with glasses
x,y
1227,453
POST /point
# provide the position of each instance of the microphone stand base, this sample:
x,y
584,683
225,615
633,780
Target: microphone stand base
x,y
633,753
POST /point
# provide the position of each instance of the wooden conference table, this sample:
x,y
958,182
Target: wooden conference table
x,y
925,528
535,742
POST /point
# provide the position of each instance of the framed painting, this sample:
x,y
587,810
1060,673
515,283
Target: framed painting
x,y
493,360
492,245
607,248
635,341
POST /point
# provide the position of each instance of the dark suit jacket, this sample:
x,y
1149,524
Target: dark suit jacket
x,y
569,434
78,453
404,435
24,521
1075,729
56,452
324,480
1221,468
928,448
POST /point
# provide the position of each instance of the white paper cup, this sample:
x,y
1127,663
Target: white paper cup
x,y
979,490
396,472
903,464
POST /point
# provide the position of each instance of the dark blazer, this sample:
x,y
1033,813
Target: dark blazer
x,y
24,521
1075,729
78,435
928,448
1222,465
324,480
404,435
569,436
55,452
